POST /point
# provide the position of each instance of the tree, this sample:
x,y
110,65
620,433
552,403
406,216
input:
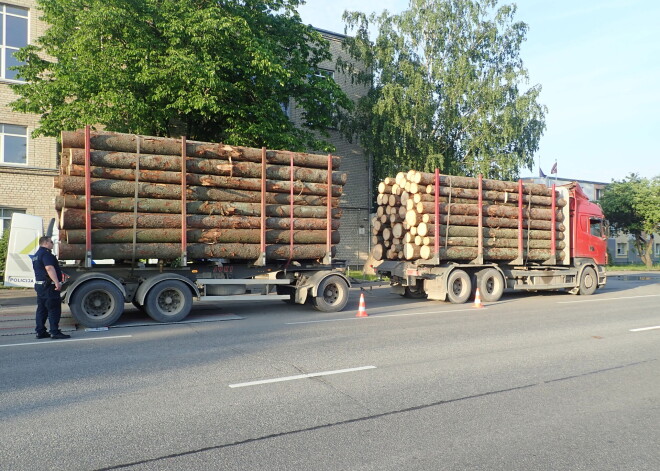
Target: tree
x,y
445,80
632,206
220,70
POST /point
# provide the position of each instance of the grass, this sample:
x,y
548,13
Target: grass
x,y
632,268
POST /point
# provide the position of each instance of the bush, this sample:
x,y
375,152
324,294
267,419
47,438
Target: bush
x,y
4,244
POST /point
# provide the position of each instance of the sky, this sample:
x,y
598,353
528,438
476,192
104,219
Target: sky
x,y
598,63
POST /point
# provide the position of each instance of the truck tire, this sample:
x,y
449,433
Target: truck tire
x,y
588,281
415,292
168,301
490,284
459,286
332,295
97,303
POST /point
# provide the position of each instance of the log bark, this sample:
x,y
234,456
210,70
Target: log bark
x,y
496,242
488,195
487,184
75,219
76,185
218,208
491,210
172,163
206,236
165,251
500,254
119,142
214,181
425,227
469,231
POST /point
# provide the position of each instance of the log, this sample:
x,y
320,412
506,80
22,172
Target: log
x,y
496,242
220,208
76,185
471,231
377,251
119,142
214,181
172,163
489,195
501,254
75,219
492,210
459,220
165,251
206,236
487,184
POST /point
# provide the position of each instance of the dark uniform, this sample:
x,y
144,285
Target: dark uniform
x,y
49,304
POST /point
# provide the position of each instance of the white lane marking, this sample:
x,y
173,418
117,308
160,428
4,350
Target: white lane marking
x,y
310,375
52,342
641,329
377,316
608,299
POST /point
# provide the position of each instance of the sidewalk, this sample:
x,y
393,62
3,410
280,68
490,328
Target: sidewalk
x,y
17,308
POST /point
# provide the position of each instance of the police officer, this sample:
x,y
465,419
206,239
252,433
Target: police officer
x,y
48,284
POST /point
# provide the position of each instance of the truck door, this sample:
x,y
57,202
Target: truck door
x,y
591,241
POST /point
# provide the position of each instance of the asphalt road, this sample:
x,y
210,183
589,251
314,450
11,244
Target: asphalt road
x,y
537,381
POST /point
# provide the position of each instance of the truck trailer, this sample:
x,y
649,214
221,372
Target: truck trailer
x,y
160,222
445,237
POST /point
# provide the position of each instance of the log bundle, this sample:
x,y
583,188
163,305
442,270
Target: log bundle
x,y
404,227
147,193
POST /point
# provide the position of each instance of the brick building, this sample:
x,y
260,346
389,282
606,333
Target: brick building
x,y
27,165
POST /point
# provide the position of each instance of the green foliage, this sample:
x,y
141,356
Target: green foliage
x,y
445,81
632,206
211,70
4,246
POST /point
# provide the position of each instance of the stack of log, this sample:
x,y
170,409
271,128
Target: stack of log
x,y
404,225
136,199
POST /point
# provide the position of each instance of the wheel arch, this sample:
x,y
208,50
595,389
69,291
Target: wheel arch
x,y
93,277
146,285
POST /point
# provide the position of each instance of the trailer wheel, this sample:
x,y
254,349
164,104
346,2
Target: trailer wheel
x,y
490,284
168,301
588,281
97,303
332,295
415,292
459,286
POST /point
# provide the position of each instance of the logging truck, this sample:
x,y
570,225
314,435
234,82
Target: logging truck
x,y
176,221
443,237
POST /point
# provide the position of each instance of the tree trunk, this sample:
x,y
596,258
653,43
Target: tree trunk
x,y
172,163
217,208
196,179
206,236
119,142
166,251
76,185
75,219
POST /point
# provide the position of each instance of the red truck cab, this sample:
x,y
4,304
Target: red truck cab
x,y
588,227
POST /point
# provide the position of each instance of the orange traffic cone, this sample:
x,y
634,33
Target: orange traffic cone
x,y
362,309
477,300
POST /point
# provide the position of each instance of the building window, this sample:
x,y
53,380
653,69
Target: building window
x,y
13,144
5,218
14,35
621,249
657,250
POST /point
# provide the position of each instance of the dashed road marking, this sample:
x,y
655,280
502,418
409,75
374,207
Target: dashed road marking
x,y
292,378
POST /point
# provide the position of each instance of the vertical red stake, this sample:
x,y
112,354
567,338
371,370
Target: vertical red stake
x,y
184,204
480,226
328,243
291,210
88,199
437,214
520,222
262,258
553,235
